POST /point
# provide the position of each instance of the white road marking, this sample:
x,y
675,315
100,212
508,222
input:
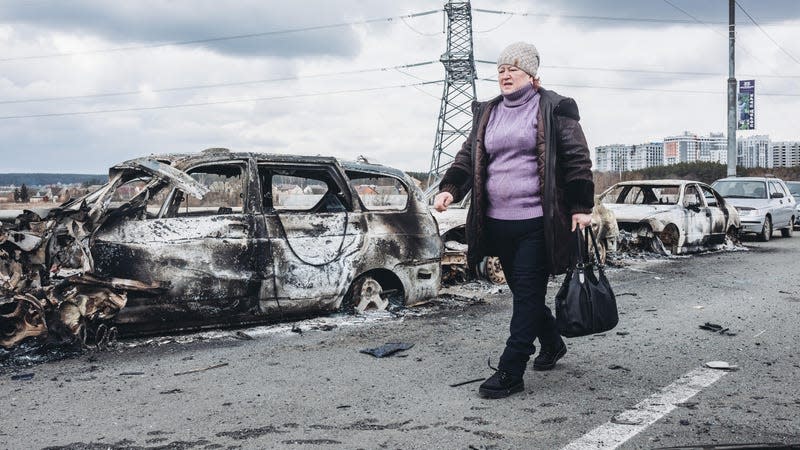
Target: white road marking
x,y
631,422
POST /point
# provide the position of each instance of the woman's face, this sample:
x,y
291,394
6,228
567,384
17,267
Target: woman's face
x,y
512,78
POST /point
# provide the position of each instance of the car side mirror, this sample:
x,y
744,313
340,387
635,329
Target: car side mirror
x,y
777,195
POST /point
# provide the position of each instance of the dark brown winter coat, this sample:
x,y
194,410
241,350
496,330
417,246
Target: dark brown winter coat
x,y
564,173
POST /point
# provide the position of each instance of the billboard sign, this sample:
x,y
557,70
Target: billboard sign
x,y
746,105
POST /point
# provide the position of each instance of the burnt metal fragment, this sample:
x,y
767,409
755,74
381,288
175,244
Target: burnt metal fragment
x,y
388,349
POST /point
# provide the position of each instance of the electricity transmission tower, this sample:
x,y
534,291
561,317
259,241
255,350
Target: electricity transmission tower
x,y
455,114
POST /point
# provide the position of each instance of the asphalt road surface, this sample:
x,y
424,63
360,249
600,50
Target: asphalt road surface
x,y
642,385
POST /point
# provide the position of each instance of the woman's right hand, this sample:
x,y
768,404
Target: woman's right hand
x,y
442,201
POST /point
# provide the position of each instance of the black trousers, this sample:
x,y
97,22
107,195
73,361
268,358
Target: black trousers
x,y
521,247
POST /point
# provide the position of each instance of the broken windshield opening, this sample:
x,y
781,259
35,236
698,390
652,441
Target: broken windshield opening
x,y
643,195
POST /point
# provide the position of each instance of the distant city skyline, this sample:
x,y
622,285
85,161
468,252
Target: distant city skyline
x,y
752,151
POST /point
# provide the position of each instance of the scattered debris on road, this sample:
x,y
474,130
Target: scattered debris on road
x,y
719,329
387,349
721,365
243,336
216,366
22,376
467,382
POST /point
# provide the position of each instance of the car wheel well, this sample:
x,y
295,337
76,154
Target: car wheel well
x,y
458,234
670,237
391,288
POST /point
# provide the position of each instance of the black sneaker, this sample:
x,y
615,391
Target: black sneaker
x,y
547,357
501,384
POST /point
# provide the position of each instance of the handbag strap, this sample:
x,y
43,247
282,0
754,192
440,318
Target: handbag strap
x,y
590,232
580,253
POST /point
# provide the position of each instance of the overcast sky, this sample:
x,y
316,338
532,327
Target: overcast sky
x,y
88,83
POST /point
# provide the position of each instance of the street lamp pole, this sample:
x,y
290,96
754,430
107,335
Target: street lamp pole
x,y
731,89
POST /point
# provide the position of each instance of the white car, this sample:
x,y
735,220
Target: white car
x,y
677,216
764,204
794,189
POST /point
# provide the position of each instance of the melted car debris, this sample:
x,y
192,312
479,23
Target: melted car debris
x,y
48,292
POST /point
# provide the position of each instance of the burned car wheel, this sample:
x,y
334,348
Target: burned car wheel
x,y
365,293
670,237
492,270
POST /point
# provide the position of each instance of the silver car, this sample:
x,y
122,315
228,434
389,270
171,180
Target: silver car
x,y
764,204
675,216
794,189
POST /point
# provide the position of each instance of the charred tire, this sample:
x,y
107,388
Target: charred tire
x,y
766,231
373,291
671,237
733,234
788,232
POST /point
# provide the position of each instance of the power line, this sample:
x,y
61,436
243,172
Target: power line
x,y
219,102
495,27
421,33
214,85
350,72
606,18
767,34
738,44
220,38
577,17
627,88
647,71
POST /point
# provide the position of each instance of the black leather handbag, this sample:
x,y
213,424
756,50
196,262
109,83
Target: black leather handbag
x,y
585,303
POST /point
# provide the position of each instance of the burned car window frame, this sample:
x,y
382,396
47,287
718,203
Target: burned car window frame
x,y
353,175
267,170
177,197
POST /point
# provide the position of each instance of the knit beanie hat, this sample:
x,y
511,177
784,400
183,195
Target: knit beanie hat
x,y
522,55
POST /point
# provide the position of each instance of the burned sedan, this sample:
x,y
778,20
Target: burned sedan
x,y
671,216
186,241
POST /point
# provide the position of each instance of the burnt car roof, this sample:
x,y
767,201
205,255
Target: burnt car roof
x,y
183,160
657,182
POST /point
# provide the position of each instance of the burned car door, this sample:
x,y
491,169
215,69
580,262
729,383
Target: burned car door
x,y
717,215
202,249
698,219
313,232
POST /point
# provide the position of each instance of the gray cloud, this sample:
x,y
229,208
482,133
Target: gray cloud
x,y
705,10
155,21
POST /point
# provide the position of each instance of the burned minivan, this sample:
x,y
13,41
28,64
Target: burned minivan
x,y
187,241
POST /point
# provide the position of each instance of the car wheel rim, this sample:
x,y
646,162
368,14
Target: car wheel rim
x,y
494,270
369,297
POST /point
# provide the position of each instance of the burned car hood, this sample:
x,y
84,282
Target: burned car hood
x,y
635,213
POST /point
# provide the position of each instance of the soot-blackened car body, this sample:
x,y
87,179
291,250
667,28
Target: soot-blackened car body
x,y
684,216
219,237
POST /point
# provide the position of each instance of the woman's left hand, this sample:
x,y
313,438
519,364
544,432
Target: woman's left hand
x,y
581,220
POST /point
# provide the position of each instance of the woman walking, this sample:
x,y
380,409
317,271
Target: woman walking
x,y
527,164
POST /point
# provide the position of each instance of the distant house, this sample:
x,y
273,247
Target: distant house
x,y
6,196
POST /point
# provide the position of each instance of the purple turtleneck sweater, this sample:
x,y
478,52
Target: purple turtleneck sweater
x,y
512,178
